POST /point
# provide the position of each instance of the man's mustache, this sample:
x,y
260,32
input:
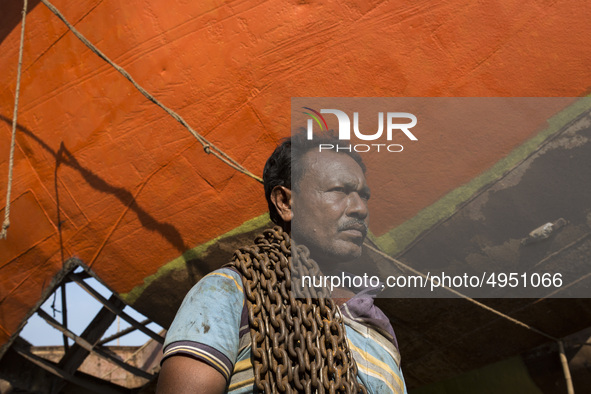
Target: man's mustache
x,y
354,224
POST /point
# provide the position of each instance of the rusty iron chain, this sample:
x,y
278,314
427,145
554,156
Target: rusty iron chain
x,y
298,336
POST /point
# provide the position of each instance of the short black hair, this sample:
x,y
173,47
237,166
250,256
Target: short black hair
x,y
278,169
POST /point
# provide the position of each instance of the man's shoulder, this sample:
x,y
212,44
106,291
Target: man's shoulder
x,y
210,317
219,292
225,274
222,282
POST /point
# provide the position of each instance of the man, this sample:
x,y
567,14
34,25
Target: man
x,y
241,328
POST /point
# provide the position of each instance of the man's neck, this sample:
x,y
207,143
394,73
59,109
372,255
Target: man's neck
x,y
341,295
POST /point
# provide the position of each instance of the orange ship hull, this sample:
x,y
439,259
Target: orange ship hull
x,y
104,175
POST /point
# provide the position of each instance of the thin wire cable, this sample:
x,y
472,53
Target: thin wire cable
x,y
6,222
208,147
488,308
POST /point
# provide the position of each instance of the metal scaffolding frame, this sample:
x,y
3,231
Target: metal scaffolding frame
x,y
57,376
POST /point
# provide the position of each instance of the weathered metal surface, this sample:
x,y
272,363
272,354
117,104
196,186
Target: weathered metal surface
x,y
451,336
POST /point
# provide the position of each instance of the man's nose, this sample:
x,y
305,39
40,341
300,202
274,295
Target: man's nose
x,y
357,206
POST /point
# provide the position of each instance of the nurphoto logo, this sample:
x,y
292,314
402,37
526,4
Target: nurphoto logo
x,y
392,124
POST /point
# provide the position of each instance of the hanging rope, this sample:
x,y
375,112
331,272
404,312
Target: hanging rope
x,y
6,222
207,146
564,362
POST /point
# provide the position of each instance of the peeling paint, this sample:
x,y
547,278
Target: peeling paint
x,y
398,239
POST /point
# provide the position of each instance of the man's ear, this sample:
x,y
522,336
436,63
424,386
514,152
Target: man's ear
x,y
281,198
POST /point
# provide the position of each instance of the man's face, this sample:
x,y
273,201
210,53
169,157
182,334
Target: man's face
x,y
329,204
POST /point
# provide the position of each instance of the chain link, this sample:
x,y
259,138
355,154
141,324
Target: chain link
x,y
298,337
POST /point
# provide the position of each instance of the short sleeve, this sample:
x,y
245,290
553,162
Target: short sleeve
x,y
207,324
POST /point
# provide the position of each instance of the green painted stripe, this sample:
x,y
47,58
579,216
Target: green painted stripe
x,y
397,239
180,262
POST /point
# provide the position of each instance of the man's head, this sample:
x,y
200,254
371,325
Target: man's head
x,y
320,197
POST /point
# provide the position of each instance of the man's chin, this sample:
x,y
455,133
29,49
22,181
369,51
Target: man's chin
x,y
346,251
338,252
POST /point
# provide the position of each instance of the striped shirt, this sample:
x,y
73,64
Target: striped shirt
x,y
212,326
